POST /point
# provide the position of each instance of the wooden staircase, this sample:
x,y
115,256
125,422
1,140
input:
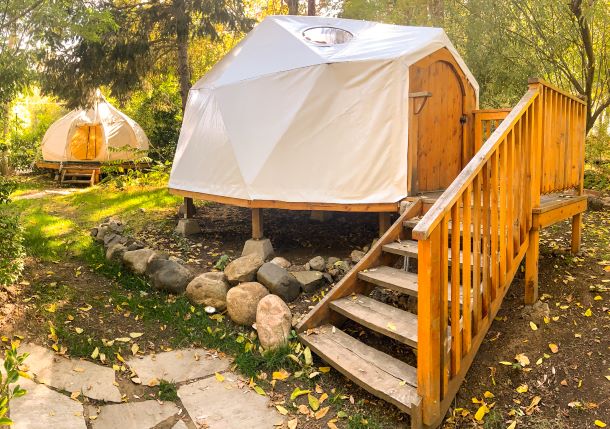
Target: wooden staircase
x,y
77,175
494,200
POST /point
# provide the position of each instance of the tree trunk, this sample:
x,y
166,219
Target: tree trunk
x,y
182,41
436,9
4,116
311,7
293,7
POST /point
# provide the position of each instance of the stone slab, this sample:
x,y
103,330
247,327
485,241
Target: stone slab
x,y
43,408
133,415
178,366
180,425
71,375
223,405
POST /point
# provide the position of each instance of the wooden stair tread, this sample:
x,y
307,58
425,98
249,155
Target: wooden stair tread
x,y
383,318
398,280
378,373
391,278
409,248
402,248
76,181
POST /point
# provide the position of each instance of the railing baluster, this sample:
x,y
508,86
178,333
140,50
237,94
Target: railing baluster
x,y
486,240
495,269
444,293
466,265
456,331
503,209
476,253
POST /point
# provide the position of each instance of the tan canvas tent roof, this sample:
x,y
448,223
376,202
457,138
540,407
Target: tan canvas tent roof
x,y
306,109
100,133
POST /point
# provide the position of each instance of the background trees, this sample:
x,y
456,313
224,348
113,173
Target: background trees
x,y
146,55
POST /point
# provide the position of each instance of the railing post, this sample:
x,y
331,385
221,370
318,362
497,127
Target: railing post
x,y
535,164
429,311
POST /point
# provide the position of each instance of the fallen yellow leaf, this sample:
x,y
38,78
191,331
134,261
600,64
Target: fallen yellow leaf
x,y
522,388
292,424
600,424
281,375
512,425
483,409
79,330
320,414
588,313
488,395
554,347
283,411
533,326
219,377
313,402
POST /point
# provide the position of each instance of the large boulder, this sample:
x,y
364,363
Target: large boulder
x,y
137,260
155,262
273,322
209,289
243,269
310,281
115,252
170,276
242,302
279,281
317,264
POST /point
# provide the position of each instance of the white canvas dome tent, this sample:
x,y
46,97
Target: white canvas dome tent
x,y
314,113
98,134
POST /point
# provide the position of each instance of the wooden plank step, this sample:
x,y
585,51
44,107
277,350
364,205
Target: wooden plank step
x,y
402,248
391,278
383,318
376,372
398,280
77,181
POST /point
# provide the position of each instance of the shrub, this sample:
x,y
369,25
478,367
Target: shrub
x,y
12,361
12,251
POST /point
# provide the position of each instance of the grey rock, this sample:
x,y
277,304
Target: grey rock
x,y
242,301
111,238
101,232
243,269
209,289
279,281
356,256
282,262
262,248
115,252
318,263
273,322
343,266
136,245
187,227
328,278
295,268
536,312
137,260
330,263
310,281
94,232
154,262
116,226
177,259
170,276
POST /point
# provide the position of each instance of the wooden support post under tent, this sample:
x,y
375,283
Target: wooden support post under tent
x,y
189,208
257,224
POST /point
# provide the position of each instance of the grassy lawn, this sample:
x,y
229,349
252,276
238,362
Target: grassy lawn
x,y
77,302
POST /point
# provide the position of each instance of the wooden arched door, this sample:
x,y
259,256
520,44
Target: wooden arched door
x,y
86,142
436,125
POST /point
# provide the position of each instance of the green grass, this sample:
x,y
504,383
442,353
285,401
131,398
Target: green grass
x,y
167,391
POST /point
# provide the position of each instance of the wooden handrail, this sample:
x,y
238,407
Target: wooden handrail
x,y
476,234
443,204
536,80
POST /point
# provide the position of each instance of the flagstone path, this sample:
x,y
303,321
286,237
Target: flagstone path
x,y
58,383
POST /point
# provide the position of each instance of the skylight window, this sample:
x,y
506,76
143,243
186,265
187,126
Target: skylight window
x,y
327,36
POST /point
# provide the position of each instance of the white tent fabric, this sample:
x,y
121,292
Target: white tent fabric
x,y
289,119
114,136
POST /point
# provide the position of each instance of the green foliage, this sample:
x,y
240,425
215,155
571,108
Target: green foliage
x,y
31,115
119,178
167,391
222,262
157,109
8,390
12,251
